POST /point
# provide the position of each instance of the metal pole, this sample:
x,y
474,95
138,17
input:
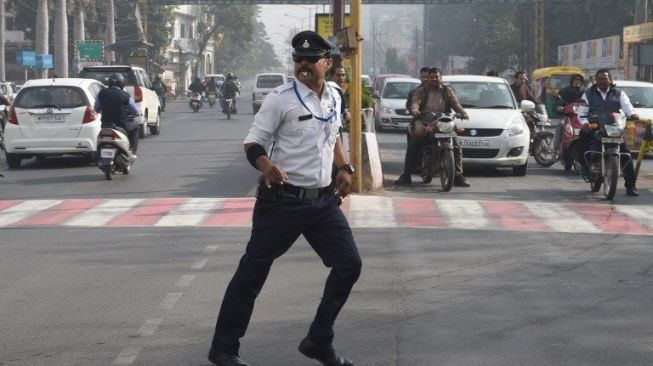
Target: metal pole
x,y
355,141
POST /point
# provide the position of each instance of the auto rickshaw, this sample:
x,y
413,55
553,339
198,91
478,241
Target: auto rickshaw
x,y
549,80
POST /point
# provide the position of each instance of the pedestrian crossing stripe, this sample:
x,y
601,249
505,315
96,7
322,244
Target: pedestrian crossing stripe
x,y
362,212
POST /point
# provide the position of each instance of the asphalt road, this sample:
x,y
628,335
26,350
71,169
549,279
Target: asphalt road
x,y
149,295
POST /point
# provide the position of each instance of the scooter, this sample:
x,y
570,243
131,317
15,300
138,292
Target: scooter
x,y
437,153
114,151
569,141
195,102
541,138
229,105
605,164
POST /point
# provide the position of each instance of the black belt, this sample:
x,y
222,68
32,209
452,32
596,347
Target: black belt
x,y
288,190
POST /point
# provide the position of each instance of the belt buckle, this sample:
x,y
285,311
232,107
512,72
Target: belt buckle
x,y
310,194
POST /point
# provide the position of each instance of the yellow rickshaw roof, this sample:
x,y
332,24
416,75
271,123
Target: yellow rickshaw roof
x,y
548,71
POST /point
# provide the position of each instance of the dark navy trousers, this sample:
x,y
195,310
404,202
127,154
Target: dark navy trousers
x,y
276,225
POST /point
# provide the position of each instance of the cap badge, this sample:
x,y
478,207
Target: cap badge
x,y
305,44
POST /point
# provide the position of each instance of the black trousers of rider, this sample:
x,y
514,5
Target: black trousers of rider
x,y
415,146
586,142
276,225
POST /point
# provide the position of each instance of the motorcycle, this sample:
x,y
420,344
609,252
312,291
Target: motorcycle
x,y
229,105
436,157
541,138
114,151
211,99
569,141
605,164
195,102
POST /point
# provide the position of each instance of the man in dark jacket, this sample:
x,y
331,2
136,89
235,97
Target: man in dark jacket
x,y
520,88
114,103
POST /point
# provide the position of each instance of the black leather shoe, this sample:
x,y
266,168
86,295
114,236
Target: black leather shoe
x,y
460,181
326,355
223,359
404,180
632,191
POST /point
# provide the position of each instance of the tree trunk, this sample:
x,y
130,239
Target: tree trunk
x,y
42,32
61,39
109,56
79,28
2,40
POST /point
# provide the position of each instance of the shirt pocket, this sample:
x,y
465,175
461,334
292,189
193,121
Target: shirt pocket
x,y
295,127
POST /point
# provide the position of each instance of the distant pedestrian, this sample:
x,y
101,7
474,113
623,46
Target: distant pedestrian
x,y
296,196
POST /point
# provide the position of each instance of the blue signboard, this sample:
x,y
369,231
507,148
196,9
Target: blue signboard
x,y
26,58
44,62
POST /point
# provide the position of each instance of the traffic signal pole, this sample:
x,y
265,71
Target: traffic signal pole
x,y
355,129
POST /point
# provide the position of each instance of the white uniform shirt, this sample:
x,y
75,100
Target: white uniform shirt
x,y
302,148
624,104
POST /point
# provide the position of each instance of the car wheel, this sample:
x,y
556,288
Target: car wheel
x,y
377,125
156,129
141,130
13,160
520,170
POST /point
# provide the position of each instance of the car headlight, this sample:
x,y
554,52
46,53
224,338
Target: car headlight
x,y
445,127
387,110
516,128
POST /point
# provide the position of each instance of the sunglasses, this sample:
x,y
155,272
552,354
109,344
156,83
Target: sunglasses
x,y
309,59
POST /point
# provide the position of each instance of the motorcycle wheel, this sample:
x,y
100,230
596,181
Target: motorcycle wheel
x,y
427,179
108,172
610,176
446,170
542,150
568,164
228,113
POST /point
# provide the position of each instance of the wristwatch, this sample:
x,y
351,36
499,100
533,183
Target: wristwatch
x,y
348,168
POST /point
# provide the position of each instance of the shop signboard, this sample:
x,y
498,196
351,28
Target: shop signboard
x,y
592,54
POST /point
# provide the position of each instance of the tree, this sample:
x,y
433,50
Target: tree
x,y
247,58
2,40
61,39
393,63
110,30
42,32
495,38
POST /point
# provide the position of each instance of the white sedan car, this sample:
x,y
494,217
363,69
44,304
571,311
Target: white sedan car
x,y
53,117
390,107
496,133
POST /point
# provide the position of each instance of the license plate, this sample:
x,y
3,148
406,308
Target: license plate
x,y
50,118
612,140
474,143
107,153
441,135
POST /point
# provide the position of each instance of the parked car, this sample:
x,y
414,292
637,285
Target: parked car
x,y
641,97
390,105
138,84
367,82
496,133
379,81
52,117
7,89
263,84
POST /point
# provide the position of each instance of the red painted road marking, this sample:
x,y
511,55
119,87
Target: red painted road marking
x,y
7,204
148,212
512,216
417,212
233,212
57,214
610,220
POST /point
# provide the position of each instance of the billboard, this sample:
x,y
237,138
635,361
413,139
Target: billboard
x,y
592,54
324,24
90,51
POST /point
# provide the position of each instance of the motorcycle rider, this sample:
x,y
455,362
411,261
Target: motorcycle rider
x,y
569,94
160,89
197,87
602,98
114,103
432,97
229,88
520,88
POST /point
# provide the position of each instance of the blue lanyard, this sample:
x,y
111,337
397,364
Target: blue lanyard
x,y
333,113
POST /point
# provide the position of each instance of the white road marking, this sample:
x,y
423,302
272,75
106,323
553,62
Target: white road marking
x,y
150,326
464,214
643,214
171,300
560,218
210,249
127,356
190,213
103,213
25,209
199,264
185,280
371,211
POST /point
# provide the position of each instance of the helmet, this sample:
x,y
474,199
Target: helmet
x,y
230,76
117,80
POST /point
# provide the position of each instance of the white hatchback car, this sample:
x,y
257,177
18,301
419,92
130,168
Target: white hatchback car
x,y
496,133
641,97
53,117
390,107
263,85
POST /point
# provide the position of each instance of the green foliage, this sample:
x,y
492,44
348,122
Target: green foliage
x,y
393,63
247,57
495,38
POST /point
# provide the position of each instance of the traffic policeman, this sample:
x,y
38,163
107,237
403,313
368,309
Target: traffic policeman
x,y
294,142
